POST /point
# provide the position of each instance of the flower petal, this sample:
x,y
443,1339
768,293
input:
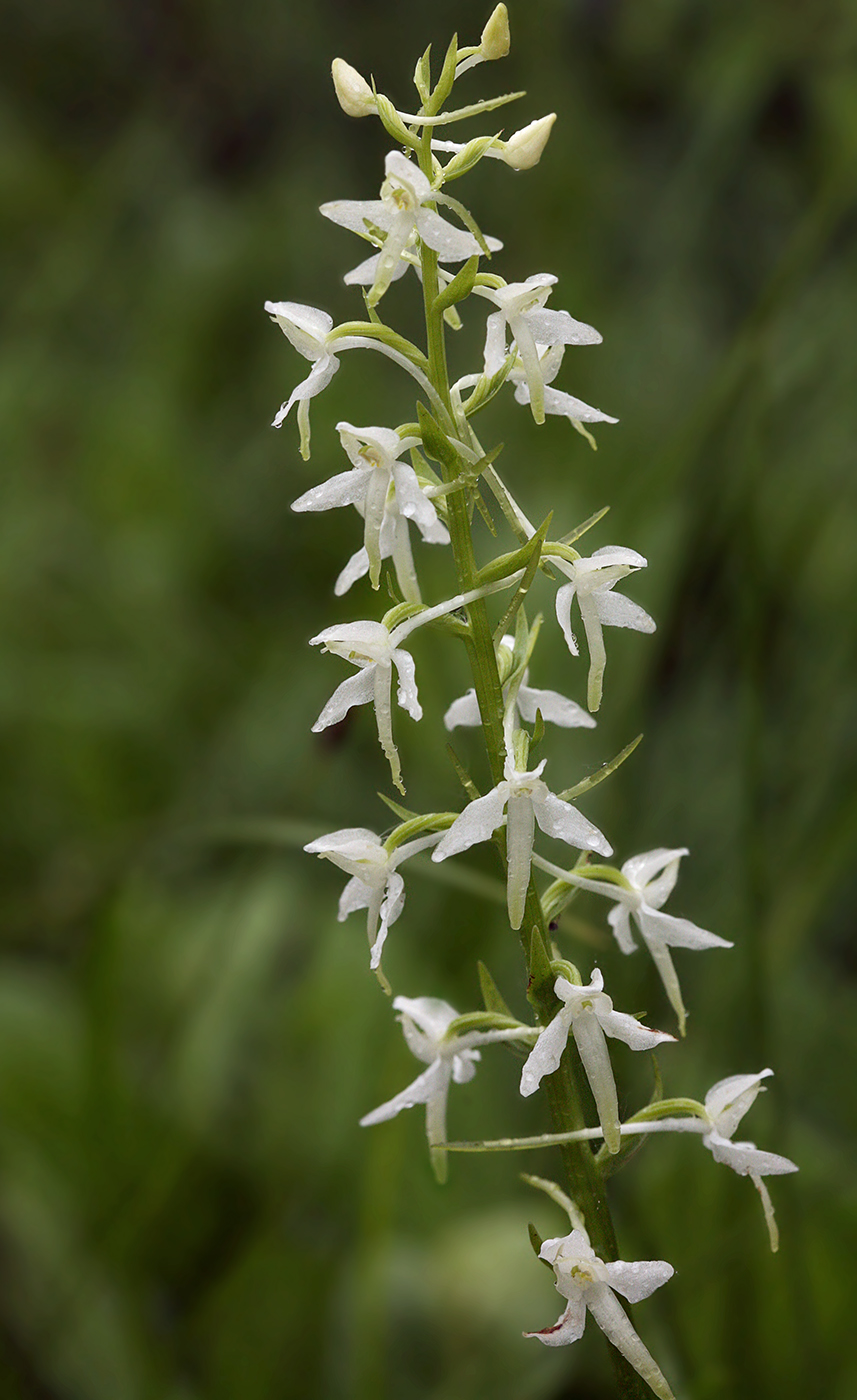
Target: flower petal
x,y
555,709
356,690
559,819
566,1329
547,1052
478,822
638,1280
615,610
465,711
421,1091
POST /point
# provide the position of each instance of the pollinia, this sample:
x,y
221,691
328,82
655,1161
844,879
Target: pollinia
x,y
430,476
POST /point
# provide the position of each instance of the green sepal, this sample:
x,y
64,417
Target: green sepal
x,y
579,530
491,994
526,558
484,1021
538,731
447,76
539,964
536,1241
418,825
467,219
422,76
403,813
600,773
560,967
436,443
462,774
467,157
460,286
393,124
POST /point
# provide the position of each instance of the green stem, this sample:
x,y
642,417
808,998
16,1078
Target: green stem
x,y
566,1090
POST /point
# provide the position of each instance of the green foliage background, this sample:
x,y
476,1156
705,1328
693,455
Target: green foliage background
x,y
187,1037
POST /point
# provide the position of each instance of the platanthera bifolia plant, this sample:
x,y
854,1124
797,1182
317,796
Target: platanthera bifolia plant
x,y
432,473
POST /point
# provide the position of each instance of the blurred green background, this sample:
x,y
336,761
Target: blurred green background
x,y
187,1037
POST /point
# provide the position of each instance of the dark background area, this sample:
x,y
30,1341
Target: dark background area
x,y
188,1209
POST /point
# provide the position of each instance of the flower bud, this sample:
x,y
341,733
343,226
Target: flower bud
x,y
495,41
524,149
354,94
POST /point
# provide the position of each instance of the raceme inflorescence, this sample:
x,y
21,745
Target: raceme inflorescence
x,y
432,472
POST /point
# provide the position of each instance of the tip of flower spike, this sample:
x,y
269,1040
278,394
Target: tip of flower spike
x,y
524,149
496,39
353,93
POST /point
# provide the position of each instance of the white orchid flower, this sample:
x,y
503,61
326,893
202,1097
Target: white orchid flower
x,y
425,1023
589,1284
371,647
521,313
381,487
591,582
314,336
529,701
649,880
725,1104
587,1013
556,401
402,213
375,883
520,802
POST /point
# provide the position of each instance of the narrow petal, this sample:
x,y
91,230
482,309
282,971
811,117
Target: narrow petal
x,y
614,1323
356,568
356,690
564,597
597,655
564,405
678,933
561,820
356,895
595,1058
768,1208
519,854
382,681
668,975
495,342
407,689
364,274
619,920
478,822
391,907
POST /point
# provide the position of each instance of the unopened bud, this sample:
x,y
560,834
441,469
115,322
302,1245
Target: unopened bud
x,y
354,94
496,41
524,149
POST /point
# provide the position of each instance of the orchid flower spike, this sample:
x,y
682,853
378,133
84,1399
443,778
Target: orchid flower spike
x,y
520,801
375,883
589,1284
371,647
725,1106
592,581
587,1013
402,214
382,488
425,1022
521,313
648,882
553,707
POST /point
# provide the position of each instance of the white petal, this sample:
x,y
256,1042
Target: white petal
x,y
356,568
391,908
561,820
356,895
451,244
615,610
342,490
620,922
420,1091
364,274
465,711
478,822
432,1015
628,1029
356,690
638,1280
657,926
566,1329
595,1058
353,213
613,1321
729,1099
318,378
563,615
564,405
305,326
746,1158
547,1052
644,872
558,327
555,709
407,689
